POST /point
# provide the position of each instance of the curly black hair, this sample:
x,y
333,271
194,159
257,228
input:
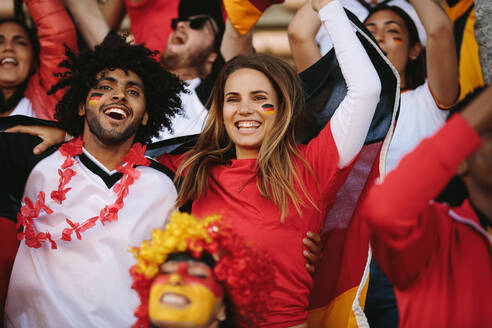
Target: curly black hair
x,y
161,88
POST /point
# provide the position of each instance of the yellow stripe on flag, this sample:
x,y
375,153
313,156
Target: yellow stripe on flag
x,y
339,312
470,71
457,10
242,14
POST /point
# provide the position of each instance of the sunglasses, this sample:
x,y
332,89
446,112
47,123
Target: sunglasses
x,y
196,23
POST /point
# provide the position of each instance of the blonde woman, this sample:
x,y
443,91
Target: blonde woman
x,y
248,167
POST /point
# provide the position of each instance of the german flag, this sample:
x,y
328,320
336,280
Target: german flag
x,y
243,14
462,15
341,280
268,109
95,98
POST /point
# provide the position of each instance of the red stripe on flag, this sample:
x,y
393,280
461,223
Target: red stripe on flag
x,y
261,5
345,235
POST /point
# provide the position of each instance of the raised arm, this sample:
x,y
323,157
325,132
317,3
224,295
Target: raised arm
x,y
113,11
442,62
404,230
302,32
55,30
350,122
234,44
6,9
89,19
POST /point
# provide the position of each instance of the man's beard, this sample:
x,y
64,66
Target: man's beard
x,y
110,136
195,61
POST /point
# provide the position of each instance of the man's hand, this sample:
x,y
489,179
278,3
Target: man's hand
x,y
313,251
50,135
319,4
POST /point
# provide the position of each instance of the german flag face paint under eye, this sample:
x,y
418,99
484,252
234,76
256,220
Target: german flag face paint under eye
x,y
94,98
268,109
397,40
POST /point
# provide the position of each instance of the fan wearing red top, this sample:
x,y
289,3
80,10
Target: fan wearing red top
x,y
248,167
438,257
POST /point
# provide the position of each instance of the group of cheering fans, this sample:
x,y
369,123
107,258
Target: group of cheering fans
x,y
180,179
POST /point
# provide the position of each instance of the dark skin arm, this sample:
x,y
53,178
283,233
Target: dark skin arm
x,y
313,251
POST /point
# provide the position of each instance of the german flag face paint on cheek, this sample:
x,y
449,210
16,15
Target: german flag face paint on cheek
x,y
94,98
397,40
268,109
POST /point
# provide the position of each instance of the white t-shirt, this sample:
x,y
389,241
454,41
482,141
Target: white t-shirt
x,y
361,12
419,118
24,107
85,283
193,118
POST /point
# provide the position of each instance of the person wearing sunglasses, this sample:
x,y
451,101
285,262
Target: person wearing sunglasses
x,y
196,23
193,54
193,46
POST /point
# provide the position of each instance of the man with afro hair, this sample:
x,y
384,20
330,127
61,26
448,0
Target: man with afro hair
x,y
199,44
79,205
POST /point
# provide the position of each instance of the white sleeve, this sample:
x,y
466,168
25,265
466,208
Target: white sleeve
x,y
322,37
350,122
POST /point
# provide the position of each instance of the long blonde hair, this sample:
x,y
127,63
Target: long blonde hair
x,y
276,175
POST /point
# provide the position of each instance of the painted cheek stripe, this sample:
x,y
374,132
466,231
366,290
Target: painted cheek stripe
x,y
94,98
268,109
397,40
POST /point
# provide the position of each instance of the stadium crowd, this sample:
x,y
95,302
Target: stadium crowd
x,y
174,176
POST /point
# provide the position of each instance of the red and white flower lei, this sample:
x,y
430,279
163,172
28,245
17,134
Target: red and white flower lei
x,y
30,210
